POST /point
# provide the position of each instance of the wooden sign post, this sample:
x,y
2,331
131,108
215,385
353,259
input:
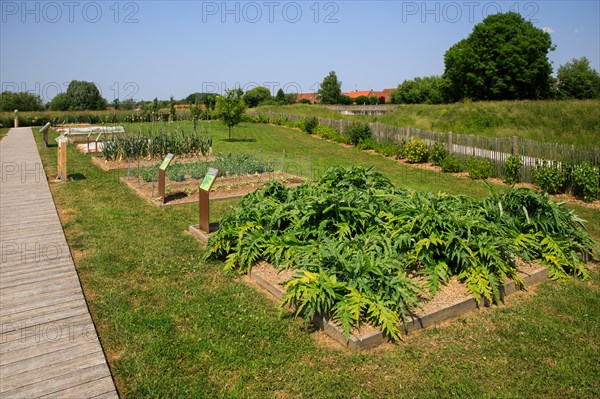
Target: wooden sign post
x,y
162,177
44,132
62,158
203,198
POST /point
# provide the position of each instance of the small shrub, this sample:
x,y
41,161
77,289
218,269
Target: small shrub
x,y
388,149
261,118
326,132
451,164
358,132
279,121
512,169
550,178
416,151
368,144
586,179
437,153
479,168
310,125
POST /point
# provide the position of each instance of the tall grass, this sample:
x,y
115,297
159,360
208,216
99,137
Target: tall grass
x,y
574,122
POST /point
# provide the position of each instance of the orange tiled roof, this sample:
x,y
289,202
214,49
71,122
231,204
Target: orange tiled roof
x,y
356,93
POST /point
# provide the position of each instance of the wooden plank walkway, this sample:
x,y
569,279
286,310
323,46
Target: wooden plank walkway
x,y
48,342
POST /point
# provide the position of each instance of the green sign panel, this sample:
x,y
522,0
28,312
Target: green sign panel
x,y
209,179
165,164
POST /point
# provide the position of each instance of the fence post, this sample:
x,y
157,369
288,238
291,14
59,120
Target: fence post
x,y
450,145
515,145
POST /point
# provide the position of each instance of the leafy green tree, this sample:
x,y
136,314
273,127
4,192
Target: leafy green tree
x,y
60,102
577,79
426,90
231,108
172,109
210,102
23,101
197,98
116,103
504,58
84,95
345,100
127,104
291,98
256,96
154,108
280,97
368,100
196,114
331,89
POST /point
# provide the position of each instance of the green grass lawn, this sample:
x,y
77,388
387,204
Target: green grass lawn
x,y
174,325
3,131
566,122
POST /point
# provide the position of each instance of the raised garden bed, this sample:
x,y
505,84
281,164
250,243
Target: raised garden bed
x,y
227,187
365,252
450,302
144,163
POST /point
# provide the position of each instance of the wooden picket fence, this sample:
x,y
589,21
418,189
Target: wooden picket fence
x,y
495,148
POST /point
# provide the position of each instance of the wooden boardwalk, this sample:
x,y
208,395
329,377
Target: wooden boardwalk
x,y
48,343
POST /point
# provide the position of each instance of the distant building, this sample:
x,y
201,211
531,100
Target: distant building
x,y
312,97
384,96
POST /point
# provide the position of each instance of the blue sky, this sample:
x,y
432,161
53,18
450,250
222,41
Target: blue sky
x,y
146,49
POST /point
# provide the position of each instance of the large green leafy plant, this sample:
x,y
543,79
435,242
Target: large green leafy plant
x,y
357,242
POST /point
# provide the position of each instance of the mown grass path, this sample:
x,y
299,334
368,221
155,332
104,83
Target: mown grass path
x,y
174,326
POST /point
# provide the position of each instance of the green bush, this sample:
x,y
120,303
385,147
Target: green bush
x,y
512,169
326,132
388,149
451,164
437,153
176,172
586,179
310,125
358,132
479,168
368,144
550,178
279,121
416,151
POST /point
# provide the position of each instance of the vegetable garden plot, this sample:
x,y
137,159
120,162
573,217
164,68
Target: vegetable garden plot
x,y
240,174
367,252
451,301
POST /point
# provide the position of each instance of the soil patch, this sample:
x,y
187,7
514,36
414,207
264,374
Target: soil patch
x,y
144,163
227,187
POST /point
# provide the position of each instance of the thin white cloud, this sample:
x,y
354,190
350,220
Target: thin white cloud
x,y
578,30
548,29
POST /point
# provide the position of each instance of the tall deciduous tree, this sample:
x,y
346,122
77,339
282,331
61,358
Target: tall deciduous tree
x,y
331,89
427,90
84,95
231,108
23,101
577,79
504,58
256,96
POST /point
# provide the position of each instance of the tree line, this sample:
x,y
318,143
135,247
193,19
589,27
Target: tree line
x,y
504,58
